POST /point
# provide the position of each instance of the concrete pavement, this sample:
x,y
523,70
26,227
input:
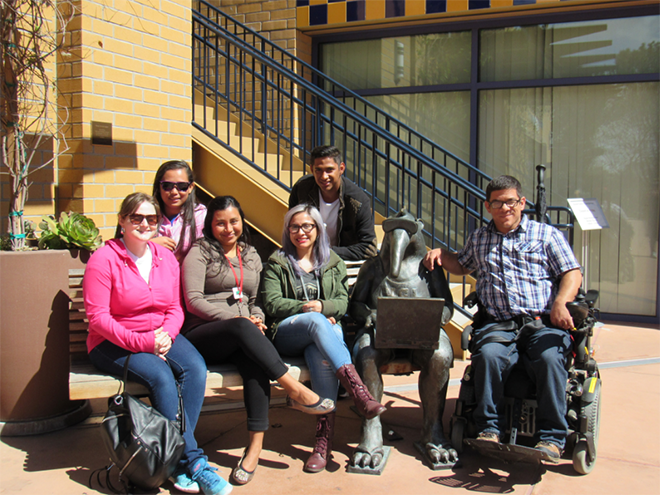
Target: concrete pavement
x,y
628,453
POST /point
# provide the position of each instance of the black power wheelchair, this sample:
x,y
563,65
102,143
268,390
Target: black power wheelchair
x,y
583,386
583,390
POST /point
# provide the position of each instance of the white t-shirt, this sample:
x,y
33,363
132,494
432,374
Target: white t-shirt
x,y
330,215
144,263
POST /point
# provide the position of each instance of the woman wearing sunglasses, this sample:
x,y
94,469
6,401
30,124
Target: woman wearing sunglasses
x,y
131,291
174,188
305,294
220,283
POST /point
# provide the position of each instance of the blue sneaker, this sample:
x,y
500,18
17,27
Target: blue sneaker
x,y
183,482
209,482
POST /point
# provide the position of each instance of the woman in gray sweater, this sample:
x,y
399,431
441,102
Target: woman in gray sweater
x,y
220,282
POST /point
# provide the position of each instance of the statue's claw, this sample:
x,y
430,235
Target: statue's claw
x,y
368,459
441,454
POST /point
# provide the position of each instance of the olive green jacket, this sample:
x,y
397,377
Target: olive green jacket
x,y
278,291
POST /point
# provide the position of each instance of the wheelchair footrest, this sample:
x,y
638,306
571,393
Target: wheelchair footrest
x,y
508,452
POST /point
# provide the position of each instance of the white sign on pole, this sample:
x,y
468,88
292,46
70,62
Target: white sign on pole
x,y
588,213
590,216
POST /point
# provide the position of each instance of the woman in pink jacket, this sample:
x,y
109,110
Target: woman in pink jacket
x,y
132,297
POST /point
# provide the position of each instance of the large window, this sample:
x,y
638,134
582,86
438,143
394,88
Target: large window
x,y
398,62
598,142
588,109
571,49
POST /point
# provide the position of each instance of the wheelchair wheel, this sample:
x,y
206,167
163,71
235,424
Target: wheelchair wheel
x,y
582,462
458,434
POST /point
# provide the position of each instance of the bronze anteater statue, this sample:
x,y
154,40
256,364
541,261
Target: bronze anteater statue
x,y
398,271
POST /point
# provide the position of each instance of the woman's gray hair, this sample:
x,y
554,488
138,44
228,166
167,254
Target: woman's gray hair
x,y
321,250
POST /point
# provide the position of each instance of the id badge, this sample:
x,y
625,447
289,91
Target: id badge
x,y
238,295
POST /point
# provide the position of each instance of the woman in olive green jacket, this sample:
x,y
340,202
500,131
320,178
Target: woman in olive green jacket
x,y
304,295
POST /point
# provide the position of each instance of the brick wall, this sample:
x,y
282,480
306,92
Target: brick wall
x,y
126,63
273,19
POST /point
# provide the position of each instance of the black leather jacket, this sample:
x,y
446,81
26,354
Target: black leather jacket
x,y
355,227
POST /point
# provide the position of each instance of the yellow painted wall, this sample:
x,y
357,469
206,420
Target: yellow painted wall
x,y
275,20
127,63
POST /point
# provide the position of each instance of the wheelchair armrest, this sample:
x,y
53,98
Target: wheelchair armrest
x,y
465,337
591,297
579,311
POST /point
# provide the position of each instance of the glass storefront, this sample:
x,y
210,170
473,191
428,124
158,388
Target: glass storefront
x,y
570,49
597,141
598,138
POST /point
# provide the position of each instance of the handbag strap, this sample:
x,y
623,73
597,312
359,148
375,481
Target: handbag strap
x,y
181,416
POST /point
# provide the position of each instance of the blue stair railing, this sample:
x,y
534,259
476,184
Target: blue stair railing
x,y
271,109
268,99
347,96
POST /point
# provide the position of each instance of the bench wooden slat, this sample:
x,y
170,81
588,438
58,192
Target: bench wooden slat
x,y
86,382
77,326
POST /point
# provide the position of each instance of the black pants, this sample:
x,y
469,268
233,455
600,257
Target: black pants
x,y
240,342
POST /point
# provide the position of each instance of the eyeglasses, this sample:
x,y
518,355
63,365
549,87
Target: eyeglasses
x,y
306,228
138,219
497,205
168,186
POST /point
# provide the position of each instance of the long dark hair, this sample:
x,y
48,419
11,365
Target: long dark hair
x,y
130,205
209,244
187,209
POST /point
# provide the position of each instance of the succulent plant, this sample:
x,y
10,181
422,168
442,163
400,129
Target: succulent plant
x,y
72,230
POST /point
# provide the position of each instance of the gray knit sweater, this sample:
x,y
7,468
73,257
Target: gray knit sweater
x,y
207,286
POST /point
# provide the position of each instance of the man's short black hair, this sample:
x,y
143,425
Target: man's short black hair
x,y
501,183
325,151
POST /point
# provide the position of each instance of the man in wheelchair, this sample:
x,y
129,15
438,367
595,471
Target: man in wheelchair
x,y
526,273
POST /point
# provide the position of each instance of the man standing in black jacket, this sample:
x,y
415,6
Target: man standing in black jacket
x,y
345,208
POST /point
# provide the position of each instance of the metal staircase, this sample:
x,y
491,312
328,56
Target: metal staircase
x,y
259,111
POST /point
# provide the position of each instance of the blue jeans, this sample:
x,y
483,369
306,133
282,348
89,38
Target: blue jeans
x,y
322,344
544,358
186,366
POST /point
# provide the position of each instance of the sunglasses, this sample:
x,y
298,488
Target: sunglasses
x,y
138,219
168,186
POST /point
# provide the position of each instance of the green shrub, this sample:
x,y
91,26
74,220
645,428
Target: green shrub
x,y
71,231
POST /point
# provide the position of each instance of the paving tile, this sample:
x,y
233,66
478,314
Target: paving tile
x,y
628,456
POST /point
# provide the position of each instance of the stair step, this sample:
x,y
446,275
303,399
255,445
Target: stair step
x,y
460,319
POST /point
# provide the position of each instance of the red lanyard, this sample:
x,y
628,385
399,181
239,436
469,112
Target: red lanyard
x,y
240,264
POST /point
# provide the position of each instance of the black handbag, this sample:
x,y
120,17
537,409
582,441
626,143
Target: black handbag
x,y
143,444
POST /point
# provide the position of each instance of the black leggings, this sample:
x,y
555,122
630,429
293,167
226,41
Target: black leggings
x,y
240,342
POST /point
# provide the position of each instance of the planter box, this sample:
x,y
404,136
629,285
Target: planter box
x,y
34,337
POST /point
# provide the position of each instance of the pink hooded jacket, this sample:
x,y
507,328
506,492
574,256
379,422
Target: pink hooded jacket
x,y
122,307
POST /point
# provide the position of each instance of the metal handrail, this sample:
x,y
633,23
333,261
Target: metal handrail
x,y
290,116
235,77
338,90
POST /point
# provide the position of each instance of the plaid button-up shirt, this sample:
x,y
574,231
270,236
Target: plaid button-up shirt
x,y
517,273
